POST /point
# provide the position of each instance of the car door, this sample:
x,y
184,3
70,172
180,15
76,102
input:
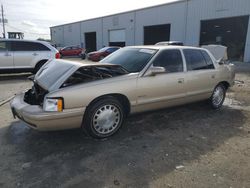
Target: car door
x,y
6,55
24,54
75,50
165,89
201,73
68,51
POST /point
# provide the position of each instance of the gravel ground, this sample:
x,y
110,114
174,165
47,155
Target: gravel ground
x,y
186,146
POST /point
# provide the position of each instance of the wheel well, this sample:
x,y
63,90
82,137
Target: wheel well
x,y
41,62
225,84
121,98
38,65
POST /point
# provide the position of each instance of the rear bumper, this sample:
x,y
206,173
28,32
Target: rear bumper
x,y
45,121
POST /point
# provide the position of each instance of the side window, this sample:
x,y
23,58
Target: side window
x,y
40,47
171,60
208,59
28,46
3,46
194,59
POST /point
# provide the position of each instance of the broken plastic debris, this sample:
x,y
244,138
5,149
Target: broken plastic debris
x,y
179,167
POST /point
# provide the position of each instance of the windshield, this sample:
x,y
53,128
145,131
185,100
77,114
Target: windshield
x,y
92,73
131,59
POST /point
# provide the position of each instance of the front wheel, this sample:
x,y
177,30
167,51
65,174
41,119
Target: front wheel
x,y
218,96
103,118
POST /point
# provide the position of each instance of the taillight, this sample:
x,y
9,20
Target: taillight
x,y
57,56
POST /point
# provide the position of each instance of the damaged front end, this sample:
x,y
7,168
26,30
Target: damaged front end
x,y
35,95
85,74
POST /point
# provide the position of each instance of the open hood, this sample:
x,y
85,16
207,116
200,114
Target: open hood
x,y
218,51
54,73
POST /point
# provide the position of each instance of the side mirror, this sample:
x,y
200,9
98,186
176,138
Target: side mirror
x,y
152,71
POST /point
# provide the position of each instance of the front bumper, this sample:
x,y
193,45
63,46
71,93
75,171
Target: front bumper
x,y
45,121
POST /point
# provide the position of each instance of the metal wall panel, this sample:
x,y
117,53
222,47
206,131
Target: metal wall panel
x,y
205,10
94,25
123,21
57,36
173,14
71,34
184,16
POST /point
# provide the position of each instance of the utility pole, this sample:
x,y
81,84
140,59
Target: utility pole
x,y
3,21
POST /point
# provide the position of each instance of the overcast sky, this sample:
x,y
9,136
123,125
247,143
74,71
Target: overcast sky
x,y
34,17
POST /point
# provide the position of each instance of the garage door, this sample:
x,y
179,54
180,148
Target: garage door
x,y
90,41
117,37
230,32
156,33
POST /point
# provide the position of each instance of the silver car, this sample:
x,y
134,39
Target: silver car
x,y
25,55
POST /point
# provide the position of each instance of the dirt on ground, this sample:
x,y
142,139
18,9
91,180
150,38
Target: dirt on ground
x,y
186,146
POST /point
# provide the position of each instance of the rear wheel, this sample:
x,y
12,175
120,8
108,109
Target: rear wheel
x,y
104,118
218,96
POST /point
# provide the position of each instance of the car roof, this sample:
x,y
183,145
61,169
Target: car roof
x,y
113,47
159,47
24,40
72,46
35,41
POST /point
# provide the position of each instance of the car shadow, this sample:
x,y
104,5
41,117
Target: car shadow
x,y
14,76
148,146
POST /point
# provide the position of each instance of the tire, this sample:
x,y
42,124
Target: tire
x,y
38,66
218,96
103,118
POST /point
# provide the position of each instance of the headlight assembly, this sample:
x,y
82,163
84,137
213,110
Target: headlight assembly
x,y
53,105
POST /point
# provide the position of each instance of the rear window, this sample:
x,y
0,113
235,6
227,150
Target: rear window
x,y
196,60
208,59
28,46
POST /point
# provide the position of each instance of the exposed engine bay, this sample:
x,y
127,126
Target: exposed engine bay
x,y
35,95
92,73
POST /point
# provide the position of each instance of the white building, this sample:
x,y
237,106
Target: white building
x,y
194,22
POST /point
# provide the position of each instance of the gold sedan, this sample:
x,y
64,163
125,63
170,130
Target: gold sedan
x,y
97,97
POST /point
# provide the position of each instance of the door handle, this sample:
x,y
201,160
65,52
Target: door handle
x,y
181,80
7,54
34,54
213,76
